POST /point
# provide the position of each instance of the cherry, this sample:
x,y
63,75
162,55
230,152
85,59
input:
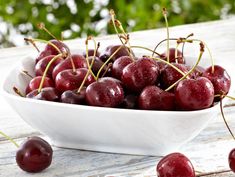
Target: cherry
x,y
97,65
178,59
169,75
78,60
42,64
50,50
130,101
194,94
154,98
219,78
197,72
73,97
111,49
91,53
34,155
70,80
119,65
231,160
106,92
139,74
35,82
175,165
47,94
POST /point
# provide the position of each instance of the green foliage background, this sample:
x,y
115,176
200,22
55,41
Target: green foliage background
x,y
87,17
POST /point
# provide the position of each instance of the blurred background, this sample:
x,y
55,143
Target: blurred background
x,y
86,17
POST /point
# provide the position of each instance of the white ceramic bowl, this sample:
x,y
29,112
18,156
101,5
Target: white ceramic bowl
x,y
105,129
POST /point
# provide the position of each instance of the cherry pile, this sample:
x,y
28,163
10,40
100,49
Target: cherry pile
x,y
115,78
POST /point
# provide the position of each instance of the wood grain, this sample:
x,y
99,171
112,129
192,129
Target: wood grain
x,y
208,151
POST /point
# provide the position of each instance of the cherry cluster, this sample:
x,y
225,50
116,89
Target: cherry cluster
x,y
117,78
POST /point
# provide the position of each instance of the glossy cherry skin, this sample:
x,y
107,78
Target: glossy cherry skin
x,y
154,98
194,94
178,59
175,165
197,72
118,66
111,49
73,97
169,75
47,94
139,74
50,50
70,80
35,83
42,64
91,53
220,79
231,160
106,92
34,155
79,62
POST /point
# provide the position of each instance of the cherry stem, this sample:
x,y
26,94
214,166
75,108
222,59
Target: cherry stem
x,y
191,70
42,27
227,96
17,91
46,70
145,48
94,54
110,57
108,67
44,41
164,11
211,58
222,113
33,43
27,74
89,65
9,138
174,67
190,35
118,23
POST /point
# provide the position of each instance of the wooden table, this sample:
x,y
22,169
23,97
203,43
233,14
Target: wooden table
x,y
208,151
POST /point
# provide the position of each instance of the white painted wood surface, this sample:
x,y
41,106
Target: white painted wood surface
x,y
208,151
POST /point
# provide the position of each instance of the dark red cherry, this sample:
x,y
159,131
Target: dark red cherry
x,y
154,98
130,101
139,74
231,160
106,92
42,64
50,50
169,75
118,66
91,53
73,97
178,59
175,165
34,155
79,62
220,79
47,94
194,94
97,65
35,82
197,72
111,49
70,80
